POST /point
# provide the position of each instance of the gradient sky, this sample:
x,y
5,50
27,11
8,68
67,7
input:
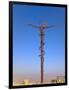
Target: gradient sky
x,y
26,41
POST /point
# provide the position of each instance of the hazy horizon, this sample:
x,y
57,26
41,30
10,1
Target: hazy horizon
x,y
35,78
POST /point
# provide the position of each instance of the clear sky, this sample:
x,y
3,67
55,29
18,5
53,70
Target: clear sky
x,y
26,42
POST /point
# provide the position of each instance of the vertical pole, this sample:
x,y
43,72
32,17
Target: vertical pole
x,y
42,52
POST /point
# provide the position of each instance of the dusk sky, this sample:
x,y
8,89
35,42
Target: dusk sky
x,y
26,42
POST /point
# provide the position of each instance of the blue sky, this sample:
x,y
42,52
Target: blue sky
x,y
26,41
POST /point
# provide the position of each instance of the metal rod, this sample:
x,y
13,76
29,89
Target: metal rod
x,y
42,52
41,29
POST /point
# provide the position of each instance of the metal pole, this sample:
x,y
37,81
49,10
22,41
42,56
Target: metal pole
x,y
42,52
41,27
